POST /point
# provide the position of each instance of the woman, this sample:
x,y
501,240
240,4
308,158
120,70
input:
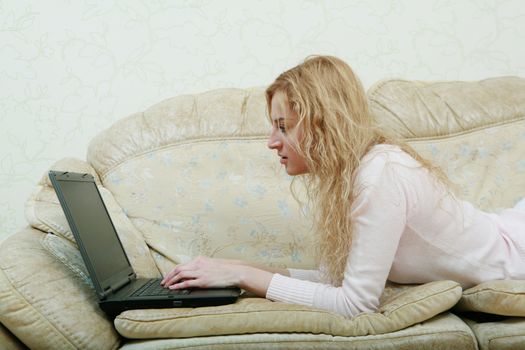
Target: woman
x,y
383,212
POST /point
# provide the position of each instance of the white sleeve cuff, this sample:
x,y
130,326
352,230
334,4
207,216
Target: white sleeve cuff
x,y
291,290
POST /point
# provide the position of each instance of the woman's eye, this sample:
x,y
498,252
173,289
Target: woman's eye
x,y
282,128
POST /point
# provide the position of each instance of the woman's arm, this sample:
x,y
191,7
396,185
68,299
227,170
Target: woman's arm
x,y
206,272
263,267
378,217
307,275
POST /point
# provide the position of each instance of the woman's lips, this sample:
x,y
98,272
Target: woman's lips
x,y
284,160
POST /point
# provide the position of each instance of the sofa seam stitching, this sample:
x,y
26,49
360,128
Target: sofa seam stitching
x,y
463,334
427,297
435,138
490,290
504,337
218,313
444,137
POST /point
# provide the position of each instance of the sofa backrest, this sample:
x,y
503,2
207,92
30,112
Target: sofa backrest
x,y
474,130
194,174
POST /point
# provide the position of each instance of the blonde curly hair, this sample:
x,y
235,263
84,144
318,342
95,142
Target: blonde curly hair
x,y
337,131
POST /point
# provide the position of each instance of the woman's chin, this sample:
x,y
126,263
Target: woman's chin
x,y
294,172
289,171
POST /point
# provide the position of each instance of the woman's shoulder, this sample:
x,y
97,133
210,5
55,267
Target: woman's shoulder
x,y
382,154
383,157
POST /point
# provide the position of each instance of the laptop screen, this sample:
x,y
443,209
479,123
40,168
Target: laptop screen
x,y
95,228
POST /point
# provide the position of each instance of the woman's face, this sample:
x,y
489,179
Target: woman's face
x,y
285,135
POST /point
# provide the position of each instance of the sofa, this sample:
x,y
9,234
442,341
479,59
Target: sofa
x,y
192,176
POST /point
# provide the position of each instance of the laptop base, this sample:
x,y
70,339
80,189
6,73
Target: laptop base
x,y
115,305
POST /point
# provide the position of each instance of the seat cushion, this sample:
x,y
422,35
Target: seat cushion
x,y
495,297
259,315
443,332
506,333
44,304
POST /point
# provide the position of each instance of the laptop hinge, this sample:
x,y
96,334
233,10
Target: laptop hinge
x,y
114,288
105,293
131,276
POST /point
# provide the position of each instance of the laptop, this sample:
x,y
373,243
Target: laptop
x,y
115,282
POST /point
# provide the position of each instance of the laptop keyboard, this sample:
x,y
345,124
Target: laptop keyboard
x,y
153,288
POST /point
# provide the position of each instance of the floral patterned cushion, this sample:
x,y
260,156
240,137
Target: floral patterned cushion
x,y
474,130
194,175
487,165
219,198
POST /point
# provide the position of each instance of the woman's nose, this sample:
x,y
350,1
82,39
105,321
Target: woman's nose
x,y
274,142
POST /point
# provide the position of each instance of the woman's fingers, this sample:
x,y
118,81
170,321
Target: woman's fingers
x,y
182,276
166,277
190,283
201,272
170,275
193,265
176,271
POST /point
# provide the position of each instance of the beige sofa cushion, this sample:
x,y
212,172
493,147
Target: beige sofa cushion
x,y
67,253
43,303
259,315
474,130
422,109
486,164
495,297
194,175
500,334
443,332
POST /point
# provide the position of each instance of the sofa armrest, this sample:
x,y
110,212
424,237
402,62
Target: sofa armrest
x,y
43,303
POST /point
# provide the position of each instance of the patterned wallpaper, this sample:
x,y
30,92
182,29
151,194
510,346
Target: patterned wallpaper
x,y
70,68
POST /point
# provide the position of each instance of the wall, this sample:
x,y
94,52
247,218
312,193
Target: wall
x,y
69,69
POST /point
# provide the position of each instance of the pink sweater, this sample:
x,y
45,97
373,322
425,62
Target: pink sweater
x,y
409,229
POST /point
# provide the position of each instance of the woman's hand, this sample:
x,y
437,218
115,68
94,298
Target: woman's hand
x,y
203,272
